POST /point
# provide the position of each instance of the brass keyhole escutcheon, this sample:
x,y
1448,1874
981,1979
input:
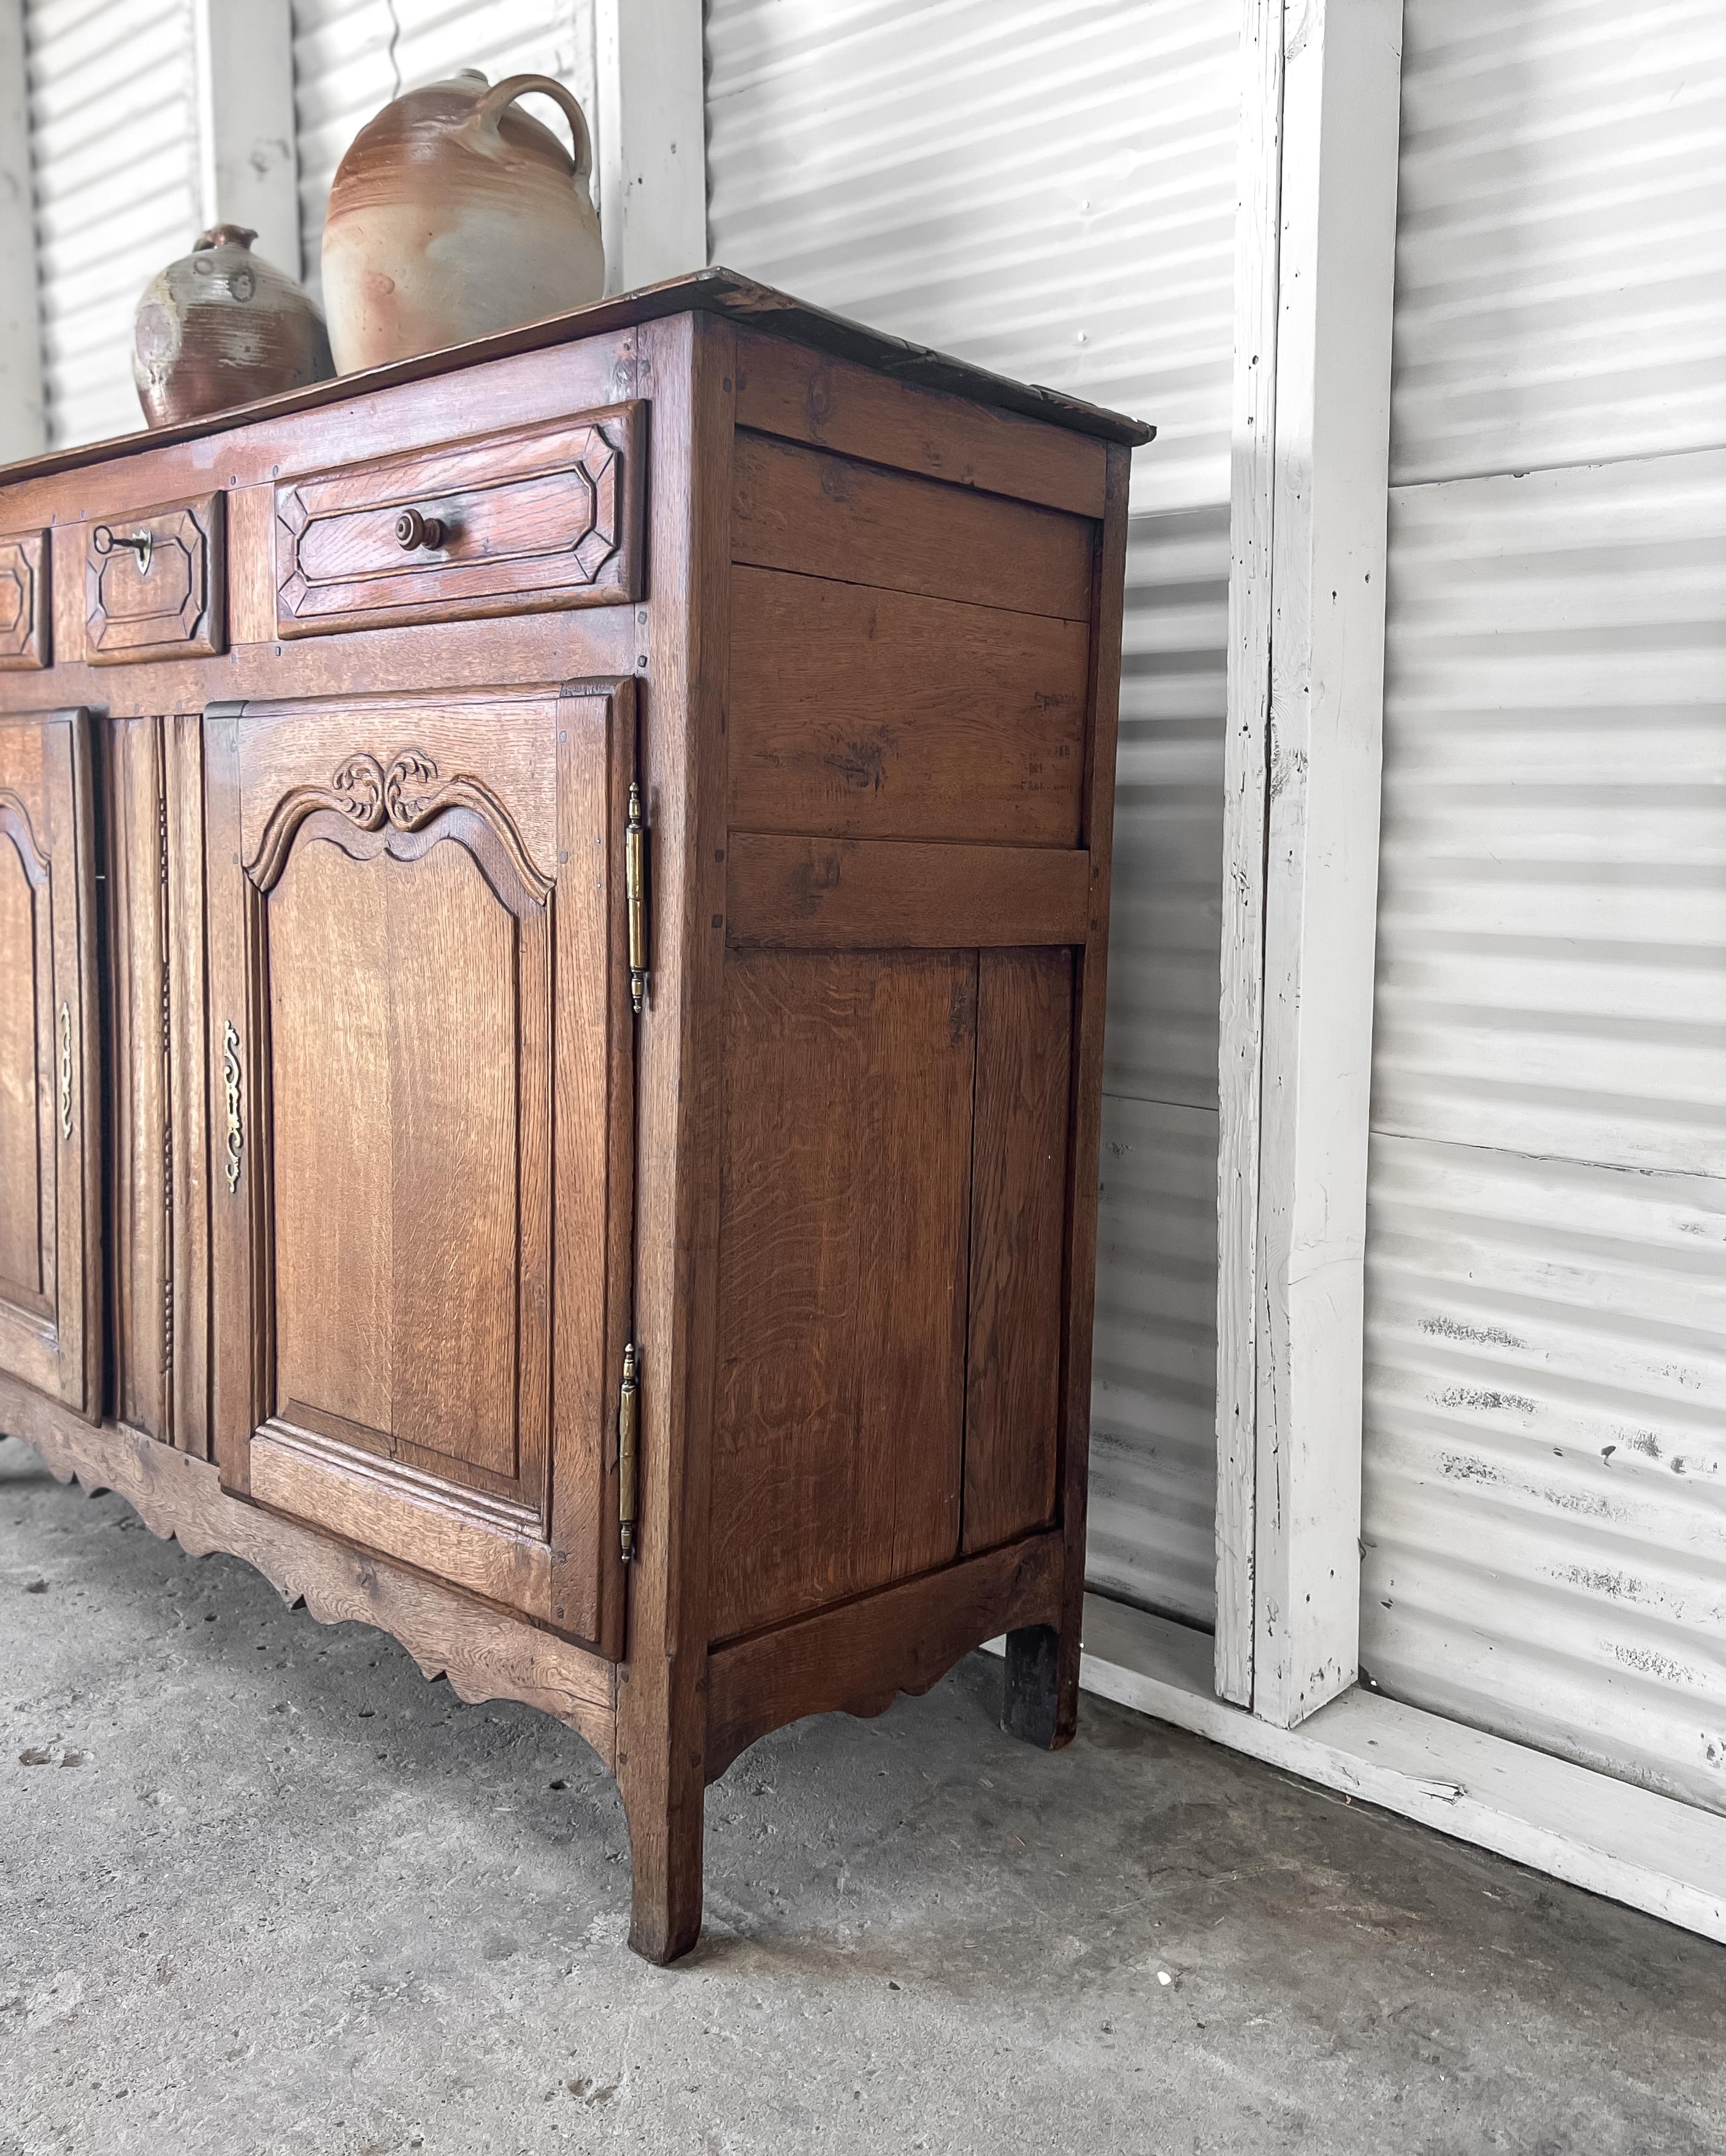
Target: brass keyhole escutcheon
x,y
141,544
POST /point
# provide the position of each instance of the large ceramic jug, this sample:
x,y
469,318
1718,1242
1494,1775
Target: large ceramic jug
x,y
454,214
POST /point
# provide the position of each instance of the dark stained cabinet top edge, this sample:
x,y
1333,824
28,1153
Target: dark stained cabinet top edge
x,y
715,291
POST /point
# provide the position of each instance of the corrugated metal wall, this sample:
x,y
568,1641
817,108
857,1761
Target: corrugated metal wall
x,y
1545,1460
352,56
1047,188
112,152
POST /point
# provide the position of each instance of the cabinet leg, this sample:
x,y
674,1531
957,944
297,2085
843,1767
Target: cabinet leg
x,y
1041,1704
665,1862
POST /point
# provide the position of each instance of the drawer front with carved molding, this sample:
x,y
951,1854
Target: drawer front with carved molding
x,y
24,600
154,583
512,523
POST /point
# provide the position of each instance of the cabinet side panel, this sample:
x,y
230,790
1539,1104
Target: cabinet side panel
x,y
807,396
861,713
824,515
843,1223
1018,1223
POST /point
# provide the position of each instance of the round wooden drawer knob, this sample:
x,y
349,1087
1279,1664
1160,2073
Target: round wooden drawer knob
x,y
414,531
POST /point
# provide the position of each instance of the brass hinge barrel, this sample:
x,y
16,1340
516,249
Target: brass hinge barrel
x,y
628,1394
635,889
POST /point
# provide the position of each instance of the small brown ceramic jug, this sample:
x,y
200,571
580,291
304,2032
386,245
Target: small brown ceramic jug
x,y
454,214
221,326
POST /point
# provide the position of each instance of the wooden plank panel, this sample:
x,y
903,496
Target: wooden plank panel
x,y
845,1199
140,1229
859,1658
807,396
189,1070
662,1709
869,714
1018,1164
329,985
459,1179
884,894
416,1523
824,515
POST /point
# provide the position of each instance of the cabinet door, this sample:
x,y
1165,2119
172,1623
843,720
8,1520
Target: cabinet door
x,y
421,1128
50,1142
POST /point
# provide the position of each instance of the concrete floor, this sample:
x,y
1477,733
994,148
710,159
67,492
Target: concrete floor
x,y
264,1889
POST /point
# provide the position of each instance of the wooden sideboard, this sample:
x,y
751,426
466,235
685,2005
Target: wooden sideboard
x,y
552,918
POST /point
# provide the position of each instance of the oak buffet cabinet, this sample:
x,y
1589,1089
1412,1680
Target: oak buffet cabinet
x,y
552,913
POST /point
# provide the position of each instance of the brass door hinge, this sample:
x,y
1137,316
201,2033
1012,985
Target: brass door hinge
x,y
635,890
627,1399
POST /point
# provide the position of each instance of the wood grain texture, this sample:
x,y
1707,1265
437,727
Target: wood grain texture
x,y
866,714
1019,1178
382,875
594,643
189,1068
484,1653
251,565
846,1166
396,1067
26,619
807,396
26,1039
688,367
1246,744
531,518
141,1178
819,514
858,1658
1090,988
172,604
593,1077
430,1522
1320,853
887,894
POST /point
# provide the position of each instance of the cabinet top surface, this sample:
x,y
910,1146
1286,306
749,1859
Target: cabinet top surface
x,y
714,291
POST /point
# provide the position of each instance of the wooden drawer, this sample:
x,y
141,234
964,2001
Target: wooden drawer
x,y
539,517
154,583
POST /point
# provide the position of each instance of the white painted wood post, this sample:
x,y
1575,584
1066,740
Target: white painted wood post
x,y
653,140
23,423
1252,445
1301,807
248,165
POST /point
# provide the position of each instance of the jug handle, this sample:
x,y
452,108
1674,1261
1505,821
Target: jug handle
x,y
490,110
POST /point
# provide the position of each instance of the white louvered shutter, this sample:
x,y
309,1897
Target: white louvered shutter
x,y
1545,1513
113,162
